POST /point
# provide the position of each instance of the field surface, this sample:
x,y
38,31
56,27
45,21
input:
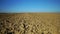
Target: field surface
x,y
30,23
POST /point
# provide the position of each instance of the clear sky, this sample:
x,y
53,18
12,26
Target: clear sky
x,y
29,5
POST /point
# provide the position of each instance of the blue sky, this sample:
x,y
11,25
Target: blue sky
x,y
29,5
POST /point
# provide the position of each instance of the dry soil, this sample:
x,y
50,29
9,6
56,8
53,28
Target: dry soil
x,y
30,23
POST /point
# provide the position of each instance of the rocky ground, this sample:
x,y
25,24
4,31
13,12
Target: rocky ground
x,y
30,23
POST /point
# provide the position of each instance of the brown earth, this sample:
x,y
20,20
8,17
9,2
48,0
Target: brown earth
x,y
30,23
